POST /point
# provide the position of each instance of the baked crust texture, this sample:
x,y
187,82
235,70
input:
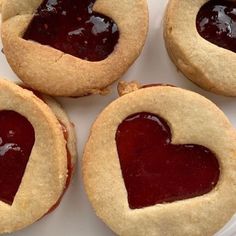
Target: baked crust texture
x,y
206,64
56,73
193,120
45,176
64,120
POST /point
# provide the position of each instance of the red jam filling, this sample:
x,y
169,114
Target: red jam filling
x,y
156,171
16,142
69,164
72,27
216,22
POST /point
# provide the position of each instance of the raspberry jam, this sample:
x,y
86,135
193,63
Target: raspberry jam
x,y
216,22
156,171
69,163
16,142
72,27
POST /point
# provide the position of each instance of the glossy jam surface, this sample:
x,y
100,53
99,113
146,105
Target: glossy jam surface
x,y
16,142
72,27
154,170
216,22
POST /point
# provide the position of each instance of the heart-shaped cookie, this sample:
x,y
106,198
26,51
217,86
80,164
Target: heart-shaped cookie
x,y
37,155
156,171
70,48
200,40
162,158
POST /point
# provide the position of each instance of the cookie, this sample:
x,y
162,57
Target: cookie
x,y
199,38
38,155
160,160
67,49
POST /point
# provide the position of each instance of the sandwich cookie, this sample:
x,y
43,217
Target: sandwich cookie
x,y
38,155
73,48
160,160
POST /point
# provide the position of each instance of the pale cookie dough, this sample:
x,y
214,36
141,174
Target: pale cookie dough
x,y
56,73
206,64
192,119
46,174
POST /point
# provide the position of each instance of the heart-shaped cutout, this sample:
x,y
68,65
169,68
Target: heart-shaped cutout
x,y
72,27
156,171
216,22
16,142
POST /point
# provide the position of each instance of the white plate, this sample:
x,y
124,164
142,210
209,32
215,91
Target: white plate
x,y
75,216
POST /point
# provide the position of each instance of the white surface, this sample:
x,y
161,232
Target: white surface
x,y
75,216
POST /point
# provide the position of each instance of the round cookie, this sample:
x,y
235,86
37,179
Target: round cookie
x,y
208,65
49,151
54,72
195,124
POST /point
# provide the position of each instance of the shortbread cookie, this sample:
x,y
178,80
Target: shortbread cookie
x,y
73,48
200,39
161,161
38,155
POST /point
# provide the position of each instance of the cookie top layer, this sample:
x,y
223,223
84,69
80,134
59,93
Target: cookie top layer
x,y
206,64
192,119
54,72
46,172
62,117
